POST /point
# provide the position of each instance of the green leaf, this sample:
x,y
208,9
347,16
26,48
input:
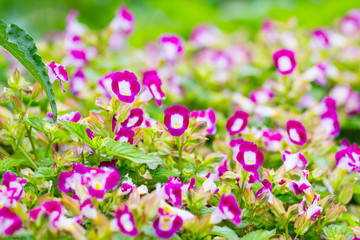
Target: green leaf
x,y
9,163
36,123
337,232
259,235
225,232
44,172
78,130
21,45
130,152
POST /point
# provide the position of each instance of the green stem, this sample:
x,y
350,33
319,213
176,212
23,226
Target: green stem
x,y
179,146
28,157
32,142
48,147
287,230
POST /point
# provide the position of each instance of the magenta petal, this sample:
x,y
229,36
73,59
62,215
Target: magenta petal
x,y
296,132
237,122
10,221
176,120
125,86
284,61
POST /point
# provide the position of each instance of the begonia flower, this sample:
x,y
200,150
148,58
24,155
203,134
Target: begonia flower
x,y
284,61
237,122
250,157
125,86
296,132
176,120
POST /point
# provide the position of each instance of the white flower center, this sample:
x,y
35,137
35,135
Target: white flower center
x,y
294,135
170,50
250,158
177,121
284,63
227,213
237,124
124,88
126,222
123,139
132,121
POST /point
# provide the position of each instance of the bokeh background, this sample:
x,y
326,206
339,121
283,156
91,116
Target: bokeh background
x,y
154,17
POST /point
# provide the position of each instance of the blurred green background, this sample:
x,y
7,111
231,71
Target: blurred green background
x,y
154,17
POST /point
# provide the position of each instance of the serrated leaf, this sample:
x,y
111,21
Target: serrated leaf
x,y
78,130
44,172
21,45
259,235
9,163
130,152
337,232
225,232
36,123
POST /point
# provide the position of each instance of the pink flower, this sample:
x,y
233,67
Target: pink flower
x,y
350,25
77,82
135,118
153,84
228,208
314,210
124,221
296,132
340,93
284,61
173,191
235,146
272,140
250,157
237,122
265,190
205,35
125,86
10,222
166,225
301,186
176,120
123,21
104,86
58,72
209,185
320,72
320,39
172,47
294,160
261,95
348,158
207,116
69,117
125,135
14,184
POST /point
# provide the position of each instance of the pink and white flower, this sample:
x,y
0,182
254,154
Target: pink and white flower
x,y
207,116
58,72
125,135
127,187
14,185
272,140
237,122
314,210
261,95
125,86
176,120
301,186
123,21
348,158
284,61
172,47
205,35
294,160
77,82
87,210
320,72
124,221
350,25
228,208
266,191
209,185
166,225
320,39
10,222
340,93
104,86
69,117
296,132
250,157
172,191
135,118
235,146
153,84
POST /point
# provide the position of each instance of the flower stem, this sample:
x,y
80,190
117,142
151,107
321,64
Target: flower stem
x,y
32,142
287,230
28,157
179,146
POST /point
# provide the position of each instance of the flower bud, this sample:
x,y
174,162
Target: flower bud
x,y
277,207
15,80
19,106
37,92
346,194
332,214
4,95
302,224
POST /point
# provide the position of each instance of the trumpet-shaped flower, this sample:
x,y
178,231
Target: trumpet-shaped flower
x,y
176,120
204,35
284,61
250,157
207,116
172,47
153,84
125,86
237,122
296,132
166,225
261,96
228,208
123,21
348,158
266,190
135,118
14,185
125,135
301,186
77,82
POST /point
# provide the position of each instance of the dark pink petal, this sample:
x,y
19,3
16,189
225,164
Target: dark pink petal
x,y
296,132
125,86
284,61
176,120
237,122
